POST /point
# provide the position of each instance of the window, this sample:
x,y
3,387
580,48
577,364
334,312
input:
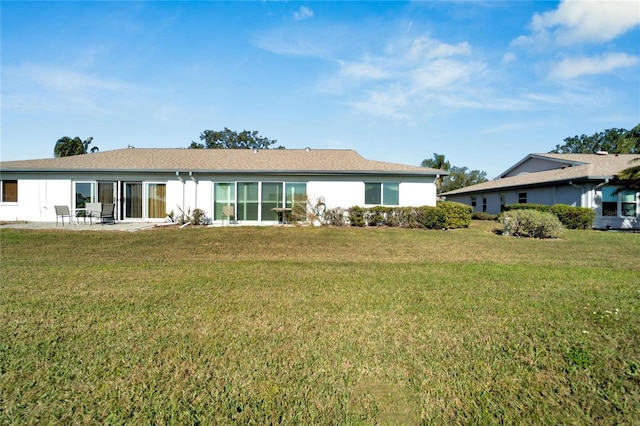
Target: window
x,y
502,202
473,201
133,200
522,197
621,203
85,193
484,203
106,192
386,194
271,199
295,192
156,200
224,195
628,203
372,193
247,201
9,191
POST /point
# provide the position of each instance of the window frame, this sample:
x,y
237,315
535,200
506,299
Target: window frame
x,y
522,198
3,190
613,204
147,198
382,191
81,203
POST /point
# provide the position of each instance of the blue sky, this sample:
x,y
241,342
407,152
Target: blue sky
x,y
482,82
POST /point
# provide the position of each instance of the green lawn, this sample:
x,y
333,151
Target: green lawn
x,y
293,325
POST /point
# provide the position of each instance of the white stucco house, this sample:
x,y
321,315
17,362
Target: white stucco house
x,y
582,180
146,184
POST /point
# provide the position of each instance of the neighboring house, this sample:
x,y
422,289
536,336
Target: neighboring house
x,y
582,180
146,184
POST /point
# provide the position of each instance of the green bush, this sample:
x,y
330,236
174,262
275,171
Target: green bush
x,y
527,206
431,217
445,215
574,217
335,217
483,216
530,223
458,215
379,216
357,216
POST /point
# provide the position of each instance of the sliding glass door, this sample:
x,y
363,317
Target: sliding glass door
x,y
248,201
133,200
271,199
156,200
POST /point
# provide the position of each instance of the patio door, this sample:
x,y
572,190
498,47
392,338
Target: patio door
x,y
133,200
106,192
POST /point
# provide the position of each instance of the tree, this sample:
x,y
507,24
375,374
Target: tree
x,y
459,177
228,139
437,162
66,147
615,141
630,178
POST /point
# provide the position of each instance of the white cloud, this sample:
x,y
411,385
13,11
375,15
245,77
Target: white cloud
x,y
508,58
303,13
583,22
410,76
55,88
578,66
69,80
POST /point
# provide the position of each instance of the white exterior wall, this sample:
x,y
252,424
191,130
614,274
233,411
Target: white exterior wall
x,y
38,195
337,194
36,200
417,194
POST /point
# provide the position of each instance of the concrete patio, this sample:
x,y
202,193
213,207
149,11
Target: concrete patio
x,y
81,226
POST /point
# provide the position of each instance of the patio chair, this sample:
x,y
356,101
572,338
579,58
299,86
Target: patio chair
x,y
92,210
62,211
228,212
107,213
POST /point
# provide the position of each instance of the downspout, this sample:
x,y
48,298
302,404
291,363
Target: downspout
x,y
600,185
181,179
195,181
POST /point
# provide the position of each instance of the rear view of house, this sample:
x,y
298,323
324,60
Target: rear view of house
x,y
582,180
147,184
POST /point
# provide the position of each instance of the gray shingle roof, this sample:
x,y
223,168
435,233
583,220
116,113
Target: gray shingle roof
x,y
219,160
578,167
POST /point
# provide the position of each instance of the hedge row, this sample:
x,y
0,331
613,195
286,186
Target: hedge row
x,y
570,217
446,215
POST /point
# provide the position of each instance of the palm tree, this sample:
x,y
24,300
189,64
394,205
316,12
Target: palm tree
x,y
437,162
65,146
630,178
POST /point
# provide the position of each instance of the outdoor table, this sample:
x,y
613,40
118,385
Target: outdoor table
x,y
84,214
282,213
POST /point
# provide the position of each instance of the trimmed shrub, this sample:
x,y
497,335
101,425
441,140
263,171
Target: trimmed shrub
x,y
357,216
431,217
335,217
574,217
530,223
458,215
483,216
379,216
527,206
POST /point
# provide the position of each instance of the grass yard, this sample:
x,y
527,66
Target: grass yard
x,y
287,325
